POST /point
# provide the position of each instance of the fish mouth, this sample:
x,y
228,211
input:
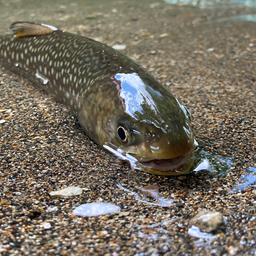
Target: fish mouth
x,y
173,166
179,165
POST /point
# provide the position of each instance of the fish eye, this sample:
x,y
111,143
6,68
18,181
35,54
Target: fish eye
x,y
122,133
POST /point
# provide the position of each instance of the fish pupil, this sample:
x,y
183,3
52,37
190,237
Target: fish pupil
x,y
122,133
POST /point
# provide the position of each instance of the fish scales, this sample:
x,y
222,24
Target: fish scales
x,y
119,104
60,73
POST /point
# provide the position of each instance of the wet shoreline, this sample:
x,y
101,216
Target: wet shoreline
x,y
208,65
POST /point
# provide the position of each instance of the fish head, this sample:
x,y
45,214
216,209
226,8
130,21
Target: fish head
x,y
150,128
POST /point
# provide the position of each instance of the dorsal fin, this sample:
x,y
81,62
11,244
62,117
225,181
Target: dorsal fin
x,y
24,28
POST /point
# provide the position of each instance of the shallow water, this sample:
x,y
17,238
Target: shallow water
x,y
246,181
216,166
210,3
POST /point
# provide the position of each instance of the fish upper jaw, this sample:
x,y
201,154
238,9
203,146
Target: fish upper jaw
x,y
169,160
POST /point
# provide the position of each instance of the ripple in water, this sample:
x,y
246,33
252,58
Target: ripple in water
x,y
215,165
246,181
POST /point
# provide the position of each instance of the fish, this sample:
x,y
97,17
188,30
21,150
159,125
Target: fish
x,y
119,104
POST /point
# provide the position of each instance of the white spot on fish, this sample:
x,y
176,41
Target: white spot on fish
x,y
44,79
67,94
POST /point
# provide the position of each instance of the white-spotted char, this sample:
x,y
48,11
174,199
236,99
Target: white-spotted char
x,y
118,103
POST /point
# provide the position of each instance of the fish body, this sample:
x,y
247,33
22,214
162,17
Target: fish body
x,y
118,103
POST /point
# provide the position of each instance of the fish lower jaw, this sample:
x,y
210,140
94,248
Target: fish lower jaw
x,y
174,166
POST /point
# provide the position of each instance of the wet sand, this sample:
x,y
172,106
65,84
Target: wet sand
x,y
210,66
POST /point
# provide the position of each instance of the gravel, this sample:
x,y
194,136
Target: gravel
x,y
209,65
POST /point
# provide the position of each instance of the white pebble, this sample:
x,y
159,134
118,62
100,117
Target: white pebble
x,y
46,225
70,191
119,47
95,209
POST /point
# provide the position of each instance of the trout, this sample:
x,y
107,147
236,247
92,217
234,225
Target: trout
x,y
118,103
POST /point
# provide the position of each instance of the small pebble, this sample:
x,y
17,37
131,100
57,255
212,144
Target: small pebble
x,y
119,47
164,35
181,177
5,202
95,209
151,191
70,191
46,225
207,221
232,250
